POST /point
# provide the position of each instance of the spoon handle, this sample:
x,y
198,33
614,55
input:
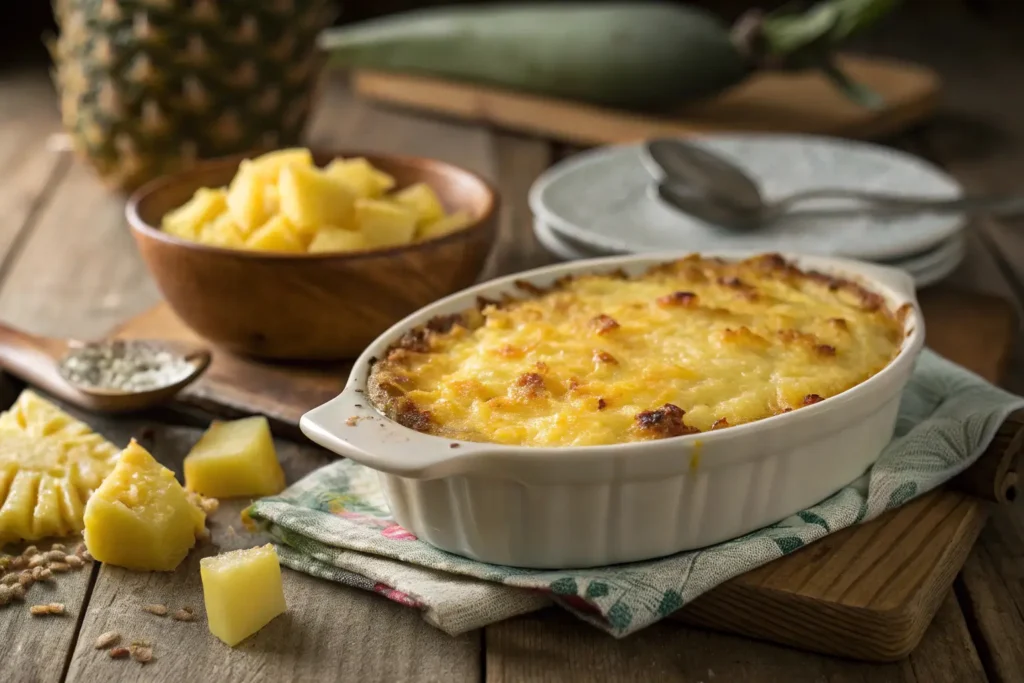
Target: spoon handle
x,y
33,359
991,204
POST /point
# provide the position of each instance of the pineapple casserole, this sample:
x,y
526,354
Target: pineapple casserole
x,y
282,202
690,346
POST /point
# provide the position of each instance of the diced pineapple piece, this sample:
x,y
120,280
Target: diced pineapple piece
x,y
222,232
360,176
235,459
330,238
310,199
421,199
271,200
270,165
443,226
242,591
187,220
140,517
50,463
277,234
383,223
245,198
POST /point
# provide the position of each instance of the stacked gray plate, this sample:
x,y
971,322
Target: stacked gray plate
x,y
601,202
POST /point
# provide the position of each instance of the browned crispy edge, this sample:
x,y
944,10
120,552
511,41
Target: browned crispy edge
x,y
384,383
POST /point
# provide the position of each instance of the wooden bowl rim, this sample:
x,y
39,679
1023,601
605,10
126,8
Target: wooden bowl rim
x,y
140,226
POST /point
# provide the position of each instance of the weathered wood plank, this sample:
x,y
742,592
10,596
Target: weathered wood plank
x,y
79,273
31,648
550,647
327,633
28,115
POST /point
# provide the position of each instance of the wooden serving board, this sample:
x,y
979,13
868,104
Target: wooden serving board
x,y
868,592
777,102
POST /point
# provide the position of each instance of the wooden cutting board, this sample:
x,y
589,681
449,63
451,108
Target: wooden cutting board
x,y
868,592
777,102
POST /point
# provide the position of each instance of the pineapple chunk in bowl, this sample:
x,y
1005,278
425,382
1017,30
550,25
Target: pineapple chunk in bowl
x,y
295,273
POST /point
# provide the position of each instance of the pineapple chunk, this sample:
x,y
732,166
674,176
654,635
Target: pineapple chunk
x,y
277,234
235,459
187,220
310,198
360,176
421,199
384,224
140,517
443,226
50,463
270,165
329,238
271,200
242,591
222,232
245,198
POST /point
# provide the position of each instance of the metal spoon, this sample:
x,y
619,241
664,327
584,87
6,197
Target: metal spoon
x,y
39,361
712,188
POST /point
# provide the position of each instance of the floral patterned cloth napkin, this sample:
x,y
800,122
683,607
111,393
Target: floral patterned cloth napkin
x,y
335,524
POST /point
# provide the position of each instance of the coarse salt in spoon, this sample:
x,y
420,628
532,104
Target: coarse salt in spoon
x,y
113,376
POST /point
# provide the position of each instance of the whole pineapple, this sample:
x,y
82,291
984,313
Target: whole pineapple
x,y
147,87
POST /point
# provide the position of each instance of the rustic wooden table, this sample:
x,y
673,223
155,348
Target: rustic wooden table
x,y
68,267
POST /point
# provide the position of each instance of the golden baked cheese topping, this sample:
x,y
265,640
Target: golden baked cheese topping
x,y
689,346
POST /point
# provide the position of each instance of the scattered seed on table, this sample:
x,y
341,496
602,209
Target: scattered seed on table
x,y
37,561
59,546
142,653
119,653
184,614
54,608
74,561
26,579
10,579
18,592
56,556
6,594
18,562
107,639
159,610
83,552
30,551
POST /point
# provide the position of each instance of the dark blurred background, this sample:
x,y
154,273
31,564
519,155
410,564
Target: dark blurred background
x,y
26,21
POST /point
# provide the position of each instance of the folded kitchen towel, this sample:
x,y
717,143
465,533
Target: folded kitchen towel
x,y
335,524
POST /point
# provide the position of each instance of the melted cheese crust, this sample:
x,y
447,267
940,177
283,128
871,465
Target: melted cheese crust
x,y
694,345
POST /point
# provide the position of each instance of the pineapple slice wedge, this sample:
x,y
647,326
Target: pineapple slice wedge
x,y
245,200
187,220
331,239
384,224
421,199
270,165
277,234
443,226
360,176
50,464
222,231
310,198
140,517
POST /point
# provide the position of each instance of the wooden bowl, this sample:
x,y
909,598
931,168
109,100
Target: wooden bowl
x,y
310,306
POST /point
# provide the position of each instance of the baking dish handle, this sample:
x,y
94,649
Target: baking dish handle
x,y
349,426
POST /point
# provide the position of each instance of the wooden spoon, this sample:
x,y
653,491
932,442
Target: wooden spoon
x,y
37,361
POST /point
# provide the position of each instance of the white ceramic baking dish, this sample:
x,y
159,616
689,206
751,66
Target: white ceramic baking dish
x,y
597,505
